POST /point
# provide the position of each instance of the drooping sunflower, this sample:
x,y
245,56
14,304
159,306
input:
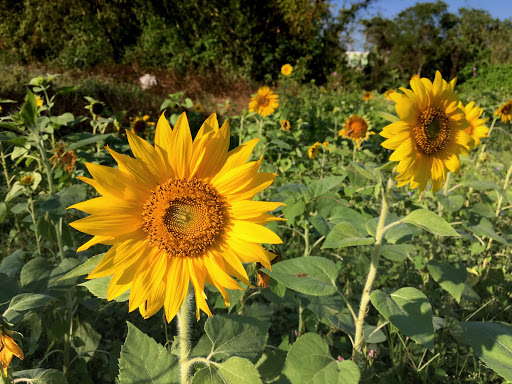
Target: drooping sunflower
x,y
356,129
8,349
476,128
285,125
63,157
367,96
430,136
140,124
314,150
180,211
286,69
388,93
264,102
505,111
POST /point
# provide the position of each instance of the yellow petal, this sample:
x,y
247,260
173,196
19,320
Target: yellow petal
x,y
95,240
150,156
177,287
107,225
181,147
253,233
248,208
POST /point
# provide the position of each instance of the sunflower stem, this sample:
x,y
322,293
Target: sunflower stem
x,y
372,273
183,335
354,152
240,137
32,214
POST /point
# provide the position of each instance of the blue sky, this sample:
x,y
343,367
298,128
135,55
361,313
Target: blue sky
x,y
501,9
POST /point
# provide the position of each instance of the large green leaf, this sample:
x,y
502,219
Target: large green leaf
x,y
431,222
85,268
26,301
310,362
310,275
349,372
409,310
143,360
99,288
319,187
346,235
85,340
233,371
451,278
232,335
492,342
485,228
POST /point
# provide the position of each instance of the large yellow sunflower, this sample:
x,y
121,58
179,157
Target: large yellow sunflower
x,y
180,211
505,111
429,137
476,128
8,349
264,102
356,129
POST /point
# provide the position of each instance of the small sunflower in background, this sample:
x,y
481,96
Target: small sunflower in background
x,y
357,129
314,150
8,349
505,111
388,93
327,147
264,102
430,135
0,109
476,128
27,180
63,157
180,213
286,69
140,124
39,101
197,108
367,96
96,107
285,125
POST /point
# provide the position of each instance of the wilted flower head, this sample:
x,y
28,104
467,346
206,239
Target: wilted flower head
x,y
8,349
63,157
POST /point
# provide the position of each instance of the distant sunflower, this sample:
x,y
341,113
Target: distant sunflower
x,y
367,96
285,125
286,69
140,124
505,111
476,128
27,180
39,101
0,109
180,211
198,108
314,150
429,137
356,129
8,349
388,93
264,102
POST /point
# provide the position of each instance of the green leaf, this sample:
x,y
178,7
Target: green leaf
x,y
271,363
12,264
450,278
292,210
387,116
143,360
42,376
396,252
234,371
319,187
90,139
83,269
367,172
492,342
349,372
310,275
409,310
346,235
232,335
29,111
431,222
99,288
35,275
484,228
85,340
310,362
26,301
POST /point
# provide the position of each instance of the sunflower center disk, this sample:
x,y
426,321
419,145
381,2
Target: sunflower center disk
x,y
432,131
263,101
183,217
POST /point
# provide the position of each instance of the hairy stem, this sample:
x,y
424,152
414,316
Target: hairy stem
x,y
183,335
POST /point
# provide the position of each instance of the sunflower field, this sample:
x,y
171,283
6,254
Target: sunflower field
x,y
313,230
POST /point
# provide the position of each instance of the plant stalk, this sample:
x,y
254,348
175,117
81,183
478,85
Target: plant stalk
x,y
183,335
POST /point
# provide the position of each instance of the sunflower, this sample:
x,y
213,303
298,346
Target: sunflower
x,y
388,93
367,96
27,180
314,150
356,129
39,101
286,69
264,102
198,108
180,212
8,349
64,157
140,124
429,137
505,111
476,128
285,125
0,109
